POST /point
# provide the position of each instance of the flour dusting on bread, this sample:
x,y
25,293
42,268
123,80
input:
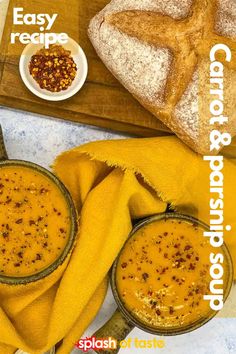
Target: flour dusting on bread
x,y
186,111
174,8
147,67
226,18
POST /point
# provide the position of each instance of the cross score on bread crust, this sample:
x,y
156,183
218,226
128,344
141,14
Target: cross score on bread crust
x,y
159,50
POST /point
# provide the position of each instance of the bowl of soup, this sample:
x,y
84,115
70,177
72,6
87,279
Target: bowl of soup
x,y
163,272
38,221
160,277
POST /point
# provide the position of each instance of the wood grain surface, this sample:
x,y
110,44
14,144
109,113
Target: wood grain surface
x,y
102,101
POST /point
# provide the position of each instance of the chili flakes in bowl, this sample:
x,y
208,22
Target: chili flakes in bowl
x,y
53,69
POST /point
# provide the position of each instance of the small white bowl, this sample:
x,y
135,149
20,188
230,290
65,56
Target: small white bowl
x,y
79,58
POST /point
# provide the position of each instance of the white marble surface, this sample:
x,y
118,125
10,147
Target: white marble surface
x,y
39,140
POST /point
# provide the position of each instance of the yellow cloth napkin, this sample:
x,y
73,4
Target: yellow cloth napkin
x,y
112,183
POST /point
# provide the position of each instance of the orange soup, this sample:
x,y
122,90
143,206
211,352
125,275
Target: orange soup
x,y
163,274
34,221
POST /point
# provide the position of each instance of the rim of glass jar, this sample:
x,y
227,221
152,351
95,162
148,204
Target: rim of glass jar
x,y
14,280
170,331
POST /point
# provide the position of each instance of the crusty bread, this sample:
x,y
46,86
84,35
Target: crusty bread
x,y
159,50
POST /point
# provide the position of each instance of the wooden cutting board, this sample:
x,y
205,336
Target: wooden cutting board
x,y
102,101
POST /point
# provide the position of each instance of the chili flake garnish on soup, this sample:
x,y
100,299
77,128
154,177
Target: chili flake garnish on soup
x,y
34,221
53,69
163,273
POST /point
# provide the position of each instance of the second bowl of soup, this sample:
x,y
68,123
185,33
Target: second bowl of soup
x,y
163,272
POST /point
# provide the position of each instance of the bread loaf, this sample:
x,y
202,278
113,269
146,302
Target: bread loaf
x,y
159,50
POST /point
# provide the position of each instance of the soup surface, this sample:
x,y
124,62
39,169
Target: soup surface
x,y
35,221
163,273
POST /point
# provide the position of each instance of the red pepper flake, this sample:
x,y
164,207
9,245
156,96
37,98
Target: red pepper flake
x,y
164,270
38,257
5,234
45,245
124,265
20,254
145,276
191,266
177,245
153,304
43,190
19,221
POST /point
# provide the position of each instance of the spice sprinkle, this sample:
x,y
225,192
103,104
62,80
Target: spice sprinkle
x,y
35,221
